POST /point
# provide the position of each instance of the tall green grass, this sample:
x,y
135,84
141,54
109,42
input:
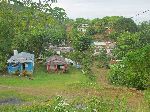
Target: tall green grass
x,y
147,97
43,79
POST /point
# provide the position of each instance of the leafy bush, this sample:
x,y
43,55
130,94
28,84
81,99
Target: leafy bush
x,y
134,70
85,59
103,58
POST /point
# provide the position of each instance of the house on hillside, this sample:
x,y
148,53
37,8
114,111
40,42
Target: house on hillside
x,y
56,63
107,45
65,49
60,50
82,27
21,64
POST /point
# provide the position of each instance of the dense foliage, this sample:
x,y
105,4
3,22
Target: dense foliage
x,y
83,53
133,49
134,69
29,26
103,58
126,42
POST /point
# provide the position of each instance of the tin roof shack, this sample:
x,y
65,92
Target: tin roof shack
x,y
56,63
21,64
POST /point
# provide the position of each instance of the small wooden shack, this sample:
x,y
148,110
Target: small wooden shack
x,y
56,63
22,63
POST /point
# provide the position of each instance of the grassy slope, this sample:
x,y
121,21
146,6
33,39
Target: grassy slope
x,y
69,85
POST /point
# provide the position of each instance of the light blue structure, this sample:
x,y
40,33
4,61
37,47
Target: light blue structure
x,y
21,62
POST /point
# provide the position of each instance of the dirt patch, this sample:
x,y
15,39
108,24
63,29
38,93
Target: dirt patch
x,y
10,101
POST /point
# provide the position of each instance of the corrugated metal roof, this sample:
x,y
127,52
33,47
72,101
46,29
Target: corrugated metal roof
x,y
56,60
99,43
21,58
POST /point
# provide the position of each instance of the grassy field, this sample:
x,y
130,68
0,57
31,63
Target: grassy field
x,y
43,79
72,85
43,84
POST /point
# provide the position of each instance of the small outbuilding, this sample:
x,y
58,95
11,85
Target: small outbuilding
x,y
21,63
56,63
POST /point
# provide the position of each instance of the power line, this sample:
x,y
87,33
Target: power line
x,y
139,14
138,18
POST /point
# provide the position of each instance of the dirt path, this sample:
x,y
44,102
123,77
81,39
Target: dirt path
x,y
134,97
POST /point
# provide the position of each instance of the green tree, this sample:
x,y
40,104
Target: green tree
x,y
126,42
38,27
83,52
103,58
82,43
26,26
85,59
134,70
124,25
59,14
100,25
144,29
7,32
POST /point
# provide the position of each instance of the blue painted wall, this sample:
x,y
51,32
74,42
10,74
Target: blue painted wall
x,y
12,69
19,67
29,67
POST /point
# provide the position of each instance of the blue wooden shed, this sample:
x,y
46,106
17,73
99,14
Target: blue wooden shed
x,y
20,63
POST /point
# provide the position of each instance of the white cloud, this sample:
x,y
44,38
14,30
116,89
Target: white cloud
x,y
101,8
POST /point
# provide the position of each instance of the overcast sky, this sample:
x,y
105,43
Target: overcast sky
x,y
101,8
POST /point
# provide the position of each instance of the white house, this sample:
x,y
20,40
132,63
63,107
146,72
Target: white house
x,y
83,27
60,50
106,45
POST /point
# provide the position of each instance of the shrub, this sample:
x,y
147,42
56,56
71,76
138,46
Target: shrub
x,y
134,70
103,58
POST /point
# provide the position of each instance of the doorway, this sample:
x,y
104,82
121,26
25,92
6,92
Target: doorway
x,y
23,66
